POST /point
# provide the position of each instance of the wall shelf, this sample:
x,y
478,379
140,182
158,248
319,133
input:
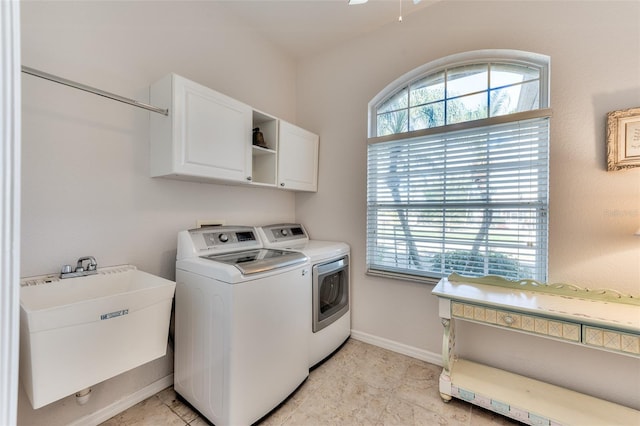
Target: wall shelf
x,y
257,151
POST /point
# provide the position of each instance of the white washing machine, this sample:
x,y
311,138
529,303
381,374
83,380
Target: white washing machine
x,y
241,329
330,315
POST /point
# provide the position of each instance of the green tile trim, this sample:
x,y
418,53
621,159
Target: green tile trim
x,y
538,420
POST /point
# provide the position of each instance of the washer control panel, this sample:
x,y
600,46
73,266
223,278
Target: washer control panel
x,y
218,239
228,237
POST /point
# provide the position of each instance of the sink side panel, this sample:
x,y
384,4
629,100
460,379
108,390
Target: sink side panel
x,y
61,361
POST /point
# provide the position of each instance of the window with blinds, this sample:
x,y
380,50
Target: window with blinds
x,y
470,198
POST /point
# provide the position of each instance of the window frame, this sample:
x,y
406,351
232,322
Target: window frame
x,y
516,57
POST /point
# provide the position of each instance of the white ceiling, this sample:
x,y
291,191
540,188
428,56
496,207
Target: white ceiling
x,y
305,27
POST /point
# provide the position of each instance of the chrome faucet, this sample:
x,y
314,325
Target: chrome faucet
x,y
81,271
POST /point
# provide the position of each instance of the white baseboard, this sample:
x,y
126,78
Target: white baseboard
x,y
128,401
401,348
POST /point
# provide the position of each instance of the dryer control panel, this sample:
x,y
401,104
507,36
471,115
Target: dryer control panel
x,y
293,232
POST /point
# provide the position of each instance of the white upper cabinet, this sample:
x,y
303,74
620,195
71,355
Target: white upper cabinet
x,y
205,137
210,137
297,158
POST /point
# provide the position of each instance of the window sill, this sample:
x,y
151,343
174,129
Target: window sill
x,y
403,277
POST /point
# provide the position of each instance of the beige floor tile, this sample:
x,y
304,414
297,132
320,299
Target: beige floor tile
x,y
381,368
150,412
170,398
419,385
199,422
356,399
343,362
400,412
360,384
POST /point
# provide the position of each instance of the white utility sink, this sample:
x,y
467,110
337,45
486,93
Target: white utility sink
x,y
77,332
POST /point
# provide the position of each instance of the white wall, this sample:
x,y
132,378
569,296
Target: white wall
x,y
86,188
595,68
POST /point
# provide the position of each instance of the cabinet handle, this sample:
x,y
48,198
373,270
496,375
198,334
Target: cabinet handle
x,y
281,183
249,178
508,319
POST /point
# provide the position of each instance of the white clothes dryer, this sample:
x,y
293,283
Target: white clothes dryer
x,y
329,281
241,330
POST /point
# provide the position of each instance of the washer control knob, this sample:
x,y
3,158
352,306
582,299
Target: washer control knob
x,y
284,232
223,238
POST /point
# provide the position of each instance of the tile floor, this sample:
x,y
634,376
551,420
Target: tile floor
x,y
360,384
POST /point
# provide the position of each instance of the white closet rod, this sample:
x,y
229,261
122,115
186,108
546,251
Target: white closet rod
x,y
56,79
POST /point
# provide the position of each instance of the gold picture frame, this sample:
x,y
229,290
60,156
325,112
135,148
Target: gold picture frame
x,y
623,139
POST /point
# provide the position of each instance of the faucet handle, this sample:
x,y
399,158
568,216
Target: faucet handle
x,y
66,269
92,265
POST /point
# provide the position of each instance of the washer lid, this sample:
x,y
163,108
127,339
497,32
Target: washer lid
x,y
259,260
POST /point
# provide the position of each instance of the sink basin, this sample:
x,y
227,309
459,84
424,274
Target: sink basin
x,y
80,331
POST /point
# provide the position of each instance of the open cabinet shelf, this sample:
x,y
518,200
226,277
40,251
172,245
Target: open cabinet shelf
x,y
265,158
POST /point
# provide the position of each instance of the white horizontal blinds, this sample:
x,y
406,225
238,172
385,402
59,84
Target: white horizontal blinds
x,y
471,201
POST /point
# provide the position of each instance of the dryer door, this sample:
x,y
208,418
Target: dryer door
x,y
330,292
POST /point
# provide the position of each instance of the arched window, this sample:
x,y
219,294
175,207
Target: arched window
x,y
457,174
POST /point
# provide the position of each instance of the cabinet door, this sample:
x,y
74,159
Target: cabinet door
x,y
212,133
297,158
206,137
